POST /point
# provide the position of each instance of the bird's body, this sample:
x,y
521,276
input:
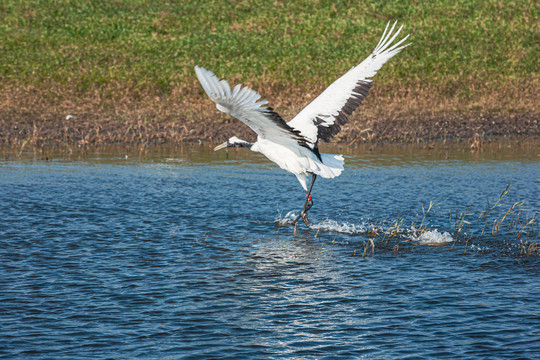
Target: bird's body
x,y
300,160
293,146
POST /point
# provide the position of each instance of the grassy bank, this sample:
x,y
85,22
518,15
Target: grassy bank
x,y
125,69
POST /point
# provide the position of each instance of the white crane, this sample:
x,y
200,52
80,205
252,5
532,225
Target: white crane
x,y
293,146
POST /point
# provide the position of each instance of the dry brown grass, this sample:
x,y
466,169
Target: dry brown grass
x,y
403,113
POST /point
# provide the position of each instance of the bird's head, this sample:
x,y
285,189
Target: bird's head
x,y
233,142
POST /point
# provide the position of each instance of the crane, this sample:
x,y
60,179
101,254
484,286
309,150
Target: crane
x,y
293,145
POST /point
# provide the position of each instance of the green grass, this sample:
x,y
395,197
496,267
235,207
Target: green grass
x,y
153,46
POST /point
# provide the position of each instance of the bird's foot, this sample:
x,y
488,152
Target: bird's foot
x,y
306,220
304,217
303,213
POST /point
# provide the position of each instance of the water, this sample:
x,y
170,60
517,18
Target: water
x,y
188,254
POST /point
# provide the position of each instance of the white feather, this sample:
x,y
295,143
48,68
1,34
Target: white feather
x,y
327,105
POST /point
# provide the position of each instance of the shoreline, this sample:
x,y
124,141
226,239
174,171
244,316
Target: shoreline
x,y
368,127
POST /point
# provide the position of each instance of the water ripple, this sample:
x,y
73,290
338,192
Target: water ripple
x,y
176,260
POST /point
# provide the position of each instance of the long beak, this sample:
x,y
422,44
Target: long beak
x,y
222,146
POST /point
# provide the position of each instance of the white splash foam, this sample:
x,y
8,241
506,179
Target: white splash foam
x,y
434,238
344,228
326,225
285,220
431,237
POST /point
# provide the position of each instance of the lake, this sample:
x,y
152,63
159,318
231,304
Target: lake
x,y
416,252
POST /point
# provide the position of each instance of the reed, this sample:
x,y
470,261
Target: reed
x,y
529,249
485,213
520,224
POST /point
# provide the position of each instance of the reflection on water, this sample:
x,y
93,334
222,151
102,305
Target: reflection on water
x,y
172,252
362,154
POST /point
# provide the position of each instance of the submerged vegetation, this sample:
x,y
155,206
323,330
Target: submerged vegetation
x,y
125,69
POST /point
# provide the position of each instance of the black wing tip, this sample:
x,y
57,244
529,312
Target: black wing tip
x,y
360,92
278,120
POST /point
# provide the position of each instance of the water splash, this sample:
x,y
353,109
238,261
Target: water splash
x,y
288,219
327,225
433,238
344,228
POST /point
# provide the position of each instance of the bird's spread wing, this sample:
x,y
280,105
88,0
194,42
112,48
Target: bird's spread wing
x,y
243,104
325,115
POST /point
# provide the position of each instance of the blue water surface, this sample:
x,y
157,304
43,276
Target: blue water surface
x,y
185,255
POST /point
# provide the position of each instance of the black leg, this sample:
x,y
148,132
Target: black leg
x,y
307,204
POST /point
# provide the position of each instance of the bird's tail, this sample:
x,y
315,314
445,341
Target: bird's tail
x,y
331,166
